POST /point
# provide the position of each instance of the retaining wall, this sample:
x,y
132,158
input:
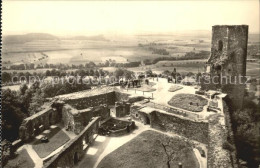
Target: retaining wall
x,y
38,122
221,149
194,130
76,120
74,150
92,101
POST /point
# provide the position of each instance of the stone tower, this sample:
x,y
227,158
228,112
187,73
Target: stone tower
x,y
227,62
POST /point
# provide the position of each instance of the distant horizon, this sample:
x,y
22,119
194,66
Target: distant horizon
x,y
117,34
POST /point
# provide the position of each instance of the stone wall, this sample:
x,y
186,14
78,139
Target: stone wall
x,y
92,101
122,109
74,150
76,120
38,122
102,111
221,149
217,156
134,111
228,59
194,130
159,119
230,135
121,96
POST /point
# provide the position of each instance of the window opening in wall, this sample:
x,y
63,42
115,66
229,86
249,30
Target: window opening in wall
x,y
76,158
218,68
220,45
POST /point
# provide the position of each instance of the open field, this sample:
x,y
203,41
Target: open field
x,y
21,160
146,151
82,51
195,66
122,49
181,67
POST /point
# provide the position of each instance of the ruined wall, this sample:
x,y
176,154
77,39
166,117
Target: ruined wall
x,y
230,135
92,101
229,50
126,97
102,111
121,96
38,122
74,150
122,109
76,120
134,111
221,149
165,121
67,117
197,131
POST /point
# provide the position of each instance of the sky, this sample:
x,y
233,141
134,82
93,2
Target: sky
x,y
125,17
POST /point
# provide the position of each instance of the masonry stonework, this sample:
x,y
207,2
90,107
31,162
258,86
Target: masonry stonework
x,y
38,122
227,62
194,130
73,152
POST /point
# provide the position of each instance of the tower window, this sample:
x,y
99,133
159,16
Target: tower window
x,y
218,68
220,45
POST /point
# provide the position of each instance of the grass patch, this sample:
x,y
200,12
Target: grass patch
x,y
56,139
146,151
174,88
189,102
22,160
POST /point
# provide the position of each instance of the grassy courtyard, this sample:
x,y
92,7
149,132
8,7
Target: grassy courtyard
x,y
56,139
189,102
147,151
21,160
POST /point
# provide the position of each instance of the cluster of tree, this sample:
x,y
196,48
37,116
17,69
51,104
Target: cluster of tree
x,y
128,65
16,77
246,131
121,72
154,44
64,87
13,77
79,72
252,50
20,66
160,51
73,66
17,105
187,56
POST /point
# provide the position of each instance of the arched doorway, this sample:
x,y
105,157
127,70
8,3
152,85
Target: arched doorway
x,y
76,158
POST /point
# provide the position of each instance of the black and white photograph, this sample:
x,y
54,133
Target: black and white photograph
x,y
130,84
